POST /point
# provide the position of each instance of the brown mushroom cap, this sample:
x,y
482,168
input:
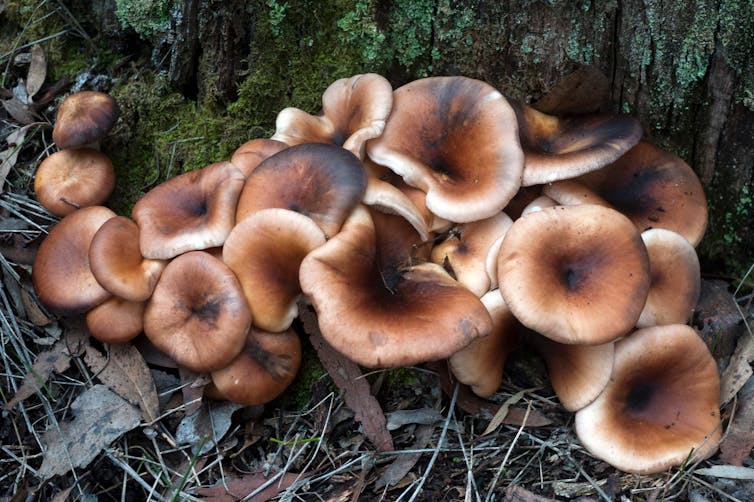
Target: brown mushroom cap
x,y
193,211
480,364
116,261
249,155
61,274
578,373
84,118
434,140
562,148
74,178
387,317
676,280
572,192
197,313
265,251
655,189
321,181
354,110
661,403
265,367
576,274
116,320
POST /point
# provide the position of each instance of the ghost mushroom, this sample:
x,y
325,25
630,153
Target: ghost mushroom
x,y
432,139
73,178
661,405
83,118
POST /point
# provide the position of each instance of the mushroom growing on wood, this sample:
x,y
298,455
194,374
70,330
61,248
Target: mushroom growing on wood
x,y
576,274
84,118
661,405
456,139
70,179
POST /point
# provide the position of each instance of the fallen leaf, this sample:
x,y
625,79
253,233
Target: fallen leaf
x,y
55,360
502,413
237,488
127,374
9,156
37,70
739,369
192,389
403,463
422,416
100,417
728,472
348,378
519,494
18,110
206,427
739,439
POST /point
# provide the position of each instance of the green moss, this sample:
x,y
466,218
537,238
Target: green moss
x,y
145,17
299,393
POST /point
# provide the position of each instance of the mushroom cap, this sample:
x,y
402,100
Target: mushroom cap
x,y
676,279
434,140
116,261
464,253
321,181
61,275
76,177
193,211
84,118
265,367
383,318
538,204
576,274
197,313
249,155
389,199
661,403
572,192
578,373
655,189
562,148
116,320
480,364
265,251
354,110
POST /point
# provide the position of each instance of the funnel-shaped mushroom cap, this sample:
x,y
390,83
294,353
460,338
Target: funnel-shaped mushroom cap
x,y
116,320
197,313
480,364
456,139
676,280
249,155
389,199
660,404
193,211
265,367
116,261
655,189
576,274
61,274
578,373
387,317
323,182
464,252
562,148
265,251
74,178
354,110
83,118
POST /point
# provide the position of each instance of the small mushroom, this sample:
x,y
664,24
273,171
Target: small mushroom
x,y
456,139
661,405
576,274
70,179
84,118
197,313
116,320
249,155
192,211
61,273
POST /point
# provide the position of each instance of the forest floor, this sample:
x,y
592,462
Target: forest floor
x,y
85,421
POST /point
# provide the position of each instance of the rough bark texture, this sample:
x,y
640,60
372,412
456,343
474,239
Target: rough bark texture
x,y
684,68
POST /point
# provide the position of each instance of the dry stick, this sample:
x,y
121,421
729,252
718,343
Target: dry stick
x,y
471,482
440,441
507,454
134,475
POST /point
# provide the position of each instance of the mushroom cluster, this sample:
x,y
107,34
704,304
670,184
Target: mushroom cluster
x,y
439,220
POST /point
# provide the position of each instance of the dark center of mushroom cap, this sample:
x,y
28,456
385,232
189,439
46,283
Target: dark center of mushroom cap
x,y
639,397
